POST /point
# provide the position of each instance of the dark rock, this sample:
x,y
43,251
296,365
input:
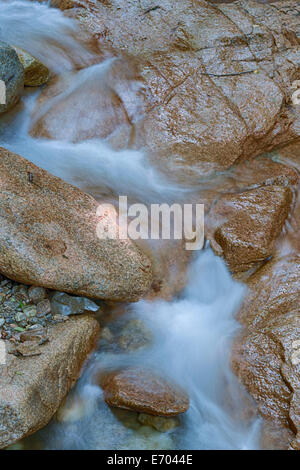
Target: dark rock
x,y
64,304
40,242
37,294
43,308
12,74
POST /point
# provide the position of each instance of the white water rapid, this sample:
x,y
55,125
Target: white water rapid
x,y
192,334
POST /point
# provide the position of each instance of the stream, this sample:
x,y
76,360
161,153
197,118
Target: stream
x,y
191,334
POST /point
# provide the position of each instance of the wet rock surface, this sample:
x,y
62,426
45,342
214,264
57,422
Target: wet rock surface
x,y
12,74
198,86
32,388
35,73
141,390
249,224
170,261
266,355
88,103
250,210
49,238
227,76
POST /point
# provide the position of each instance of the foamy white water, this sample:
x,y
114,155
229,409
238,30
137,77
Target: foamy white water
x,y
44,32
191,345
192,334
53,38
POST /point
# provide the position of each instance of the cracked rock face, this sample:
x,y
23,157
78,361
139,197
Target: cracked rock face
x,y
49,238
266,356
32,388
212,82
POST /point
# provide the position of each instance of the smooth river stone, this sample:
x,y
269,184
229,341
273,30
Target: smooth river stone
x,y
141,390
33,388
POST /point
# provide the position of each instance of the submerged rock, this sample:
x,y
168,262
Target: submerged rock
x,y
147,438
159,423
32,388
141,390
106,334
134,335
87,104
35,73
139,422
12,74
73,409
170,261
49,238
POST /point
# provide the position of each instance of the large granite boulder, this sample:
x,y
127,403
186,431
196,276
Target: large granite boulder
x,y
32,388
49,237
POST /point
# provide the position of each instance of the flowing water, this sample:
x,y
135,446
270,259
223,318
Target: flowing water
x,y
192,333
